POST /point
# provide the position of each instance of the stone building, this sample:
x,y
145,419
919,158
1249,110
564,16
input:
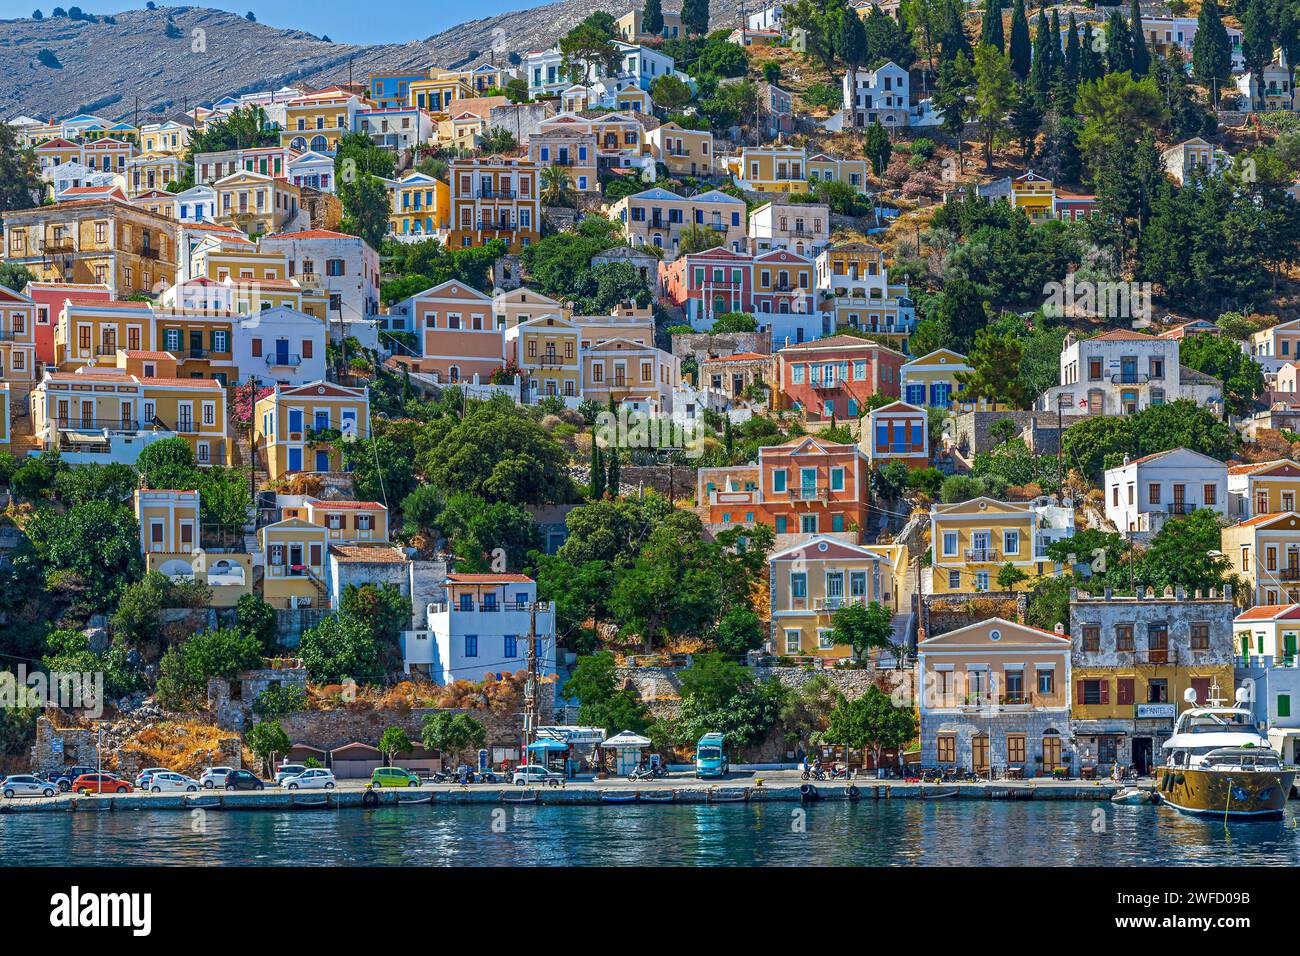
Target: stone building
x,y
231,701
1133,657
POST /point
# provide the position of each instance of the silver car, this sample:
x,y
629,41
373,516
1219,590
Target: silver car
x,y
288,770
166,781
214,778
26,785
315,778
535,774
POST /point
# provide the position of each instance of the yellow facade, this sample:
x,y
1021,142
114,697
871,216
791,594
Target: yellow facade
x,y
548,351
164,138
437,94
171,540
303,427
932,378
1264,487
851,172
90,332
421,205
318,121
255,203
345,522
1035,195
1264,551
294,552
17,336
971,541
494,197
686,152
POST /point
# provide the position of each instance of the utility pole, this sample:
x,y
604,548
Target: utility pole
x,y
530,688
1060,479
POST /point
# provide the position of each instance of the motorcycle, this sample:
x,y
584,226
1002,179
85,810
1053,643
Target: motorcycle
x,y
841,773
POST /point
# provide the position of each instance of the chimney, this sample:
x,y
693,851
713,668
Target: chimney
x,y
1060,628
1126,461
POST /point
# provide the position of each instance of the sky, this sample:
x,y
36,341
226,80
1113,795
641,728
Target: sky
x,y
343,21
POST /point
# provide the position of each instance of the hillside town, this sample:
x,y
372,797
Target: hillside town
x,y
903,389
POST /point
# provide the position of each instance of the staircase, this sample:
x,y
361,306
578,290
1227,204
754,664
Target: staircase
x,y
22,438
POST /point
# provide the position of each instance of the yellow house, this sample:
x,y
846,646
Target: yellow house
x,y
89,331
1265,553
17,336
686,152
813,579
294,551
971,541
770,168
317,121
522,304
109,415
167,137
202,342
548,351
438,93
461,130
830,169
345,522
150,171
421,205
302,427
571,149
1035,195
255,203
171,534
1261,488
631,29
932,379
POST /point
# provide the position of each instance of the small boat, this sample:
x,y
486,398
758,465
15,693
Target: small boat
x,y
617,796
427,798
1219,764
529,796
657,796
941,795
319,804
1133,796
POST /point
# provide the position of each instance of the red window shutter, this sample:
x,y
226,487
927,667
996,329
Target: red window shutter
x,y
1202,687
257,348
306,348
1124,690
1078,691
1105,691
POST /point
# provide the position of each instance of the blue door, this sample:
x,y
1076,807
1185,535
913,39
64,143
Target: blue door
x,y
916,394
322,461
282,352
295,459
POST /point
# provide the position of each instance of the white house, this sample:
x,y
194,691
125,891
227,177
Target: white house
x,y
483,627
801,228
879,96
345,266
197,204
280,345
643,64
1194,157
312,170
397,128
1122,372
1142,494
769,18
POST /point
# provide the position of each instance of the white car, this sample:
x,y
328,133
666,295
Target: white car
x,y
169,782
26,785
144,776
314,779
288,770
535,774
214,778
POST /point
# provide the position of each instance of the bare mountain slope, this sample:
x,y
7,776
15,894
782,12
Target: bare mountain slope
x,y
106,67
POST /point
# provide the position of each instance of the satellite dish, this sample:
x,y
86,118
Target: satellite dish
x,y
1243,695
1189,695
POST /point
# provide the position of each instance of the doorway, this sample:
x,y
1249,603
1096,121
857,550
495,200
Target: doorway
x,y
1142,755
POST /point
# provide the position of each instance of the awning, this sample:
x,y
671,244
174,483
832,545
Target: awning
x,y
548,745
1097,728
627,741
87,438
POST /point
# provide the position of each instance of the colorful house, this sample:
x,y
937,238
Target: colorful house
x,y
971,541
833,377
1264,552
494,197
302,427
171,540
456,333
898,432
1265,487
17,336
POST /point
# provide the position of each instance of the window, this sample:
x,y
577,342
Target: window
x,y
1015,748
778,480
837,479
1091,691
954,580
1210,495
1284,705
1092,637
1153,493
510,650
946,748
1123,637
1046,681
1011,542
793,641
471,645
1158,691
799,585
1158,643
949,543
1124,690
1200,636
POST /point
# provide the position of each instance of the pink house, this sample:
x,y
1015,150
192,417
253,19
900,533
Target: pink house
x,y
708,284
49,298
456,331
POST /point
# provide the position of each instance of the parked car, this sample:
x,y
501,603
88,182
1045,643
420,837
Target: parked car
x,y
288,770
314,778
167,782
63,777
26,785
143,777
214,777
394,777
243,780
531,773
99,782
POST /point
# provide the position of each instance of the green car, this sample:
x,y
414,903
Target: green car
x,y
393,777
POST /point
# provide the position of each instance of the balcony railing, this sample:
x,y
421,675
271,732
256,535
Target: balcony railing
x,y
283,361
485,607
810,493
826,383
1129,378
1158,655
981,555
106,348
1287,574
1181,507
75,423
60,245
8,335
496,194
149,252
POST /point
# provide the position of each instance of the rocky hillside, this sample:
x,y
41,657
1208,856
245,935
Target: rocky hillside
x,y
113,69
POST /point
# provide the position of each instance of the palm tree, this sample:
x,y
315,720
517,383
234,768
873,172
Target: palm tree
x,y
555,186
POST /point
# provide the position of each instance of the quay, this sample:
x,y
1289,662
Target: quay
x,y
762,789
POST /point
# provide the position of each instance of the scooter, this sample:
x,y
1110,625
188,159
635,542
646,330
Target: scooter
x,y
841,773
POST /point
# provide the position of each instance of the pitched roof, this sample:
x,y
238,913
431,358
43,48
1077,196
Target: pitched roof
x,y
1117,335
1269,612
489,579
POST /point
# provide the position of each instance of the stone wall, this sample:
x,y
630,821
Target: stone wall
x,y
944,613
973,429
681,478
290,623
231,701
57,747
703,345
1176,610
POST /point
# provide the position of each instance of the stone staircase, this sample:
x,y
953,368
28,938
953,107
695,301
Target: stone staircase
x,y
22,438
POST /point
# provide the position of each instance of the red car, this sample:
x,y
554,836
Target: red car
x,y
101,783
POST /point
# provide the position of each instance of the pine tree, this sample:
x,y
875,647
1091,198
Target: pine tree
x,y
1090,61
952,38
652,17
1141,57
695,16
596,487
612,484
1020,45
1119,45
1040,72
1025,120
991,28
1211,50
1072,51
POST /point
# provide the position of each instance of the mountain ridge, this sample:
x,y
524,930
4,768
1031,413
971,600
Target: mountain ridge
x,y
105,67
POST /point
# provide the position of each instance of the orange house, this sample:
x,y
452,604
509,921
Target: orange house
x,y
805,486
898,432
457,332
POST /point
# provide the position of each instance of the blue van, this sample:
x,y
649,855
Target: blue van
x,y
710,758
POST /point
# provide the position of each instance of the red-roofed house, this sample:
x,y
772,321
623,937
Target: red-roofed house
x,y
1263,487
833,377
1264,551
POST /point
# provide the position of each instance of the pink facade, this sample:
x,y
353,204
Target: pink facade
x,y
49,298
708,284
833,377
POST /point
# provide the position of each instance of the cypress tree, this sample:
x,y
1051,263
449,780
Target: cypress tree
x,y
1211,50
1119,45
953,39
1257,40
1020,48
851,41
652,17
1072,51
695,16
1090,65
612,484
596,487
991,28
1040,73
1141,57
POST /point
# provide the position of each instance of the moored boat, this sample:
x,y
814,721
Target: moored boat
x,y
1217,763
